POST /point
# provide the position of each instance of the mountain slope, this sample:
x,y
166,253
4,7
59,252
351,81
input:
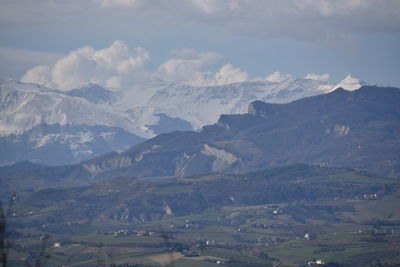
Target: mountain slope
x,y
49,127
94,94
342,214
358,129
64,144
24,106
203,105
154,107
133,200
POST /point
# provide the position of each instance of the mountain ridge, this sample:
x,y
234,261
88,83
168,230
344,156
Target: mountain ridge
x,y
150,108
358,130
343,120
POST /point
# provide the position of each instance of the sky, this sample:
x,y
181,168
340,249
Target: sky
x,y
64,44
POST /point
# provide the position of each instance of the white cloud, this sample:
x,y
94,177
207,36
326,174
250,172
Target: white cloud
x,y
115,66
212,6
277,77
188,65
328,7
313,76
120,66
229,74
308,20
40,75
116,3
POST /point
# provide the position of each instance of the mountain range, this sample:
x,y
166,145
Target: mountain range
x,y
343,129
53,127
353,129
191,192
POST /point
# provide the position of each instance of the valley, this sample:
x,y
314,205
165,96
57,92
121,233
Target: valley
x,y
286,216
196,133
313,182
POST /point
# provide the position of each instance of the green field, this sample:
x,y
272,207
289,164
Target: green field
x,y
215,218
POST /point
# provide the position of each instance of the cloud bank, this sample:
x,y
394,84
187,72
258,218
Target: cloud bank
x,y
277,77
120,66
115,66
306,20
190,66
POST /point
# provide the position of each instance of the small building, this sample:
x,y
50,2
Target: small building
x,y
277,211
141,233
379,231
316,262
122,232
57,245
395,231
191,253
210,242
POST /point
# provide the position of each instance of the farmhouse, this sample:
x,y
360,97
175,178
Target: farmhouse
x,y
122,232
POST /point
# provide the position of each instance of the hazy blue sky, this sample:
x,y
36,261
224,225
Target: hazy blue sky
x,y
199,41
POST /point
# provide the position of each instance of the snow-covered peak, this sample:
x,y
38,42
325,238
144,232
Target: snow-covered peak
x,y
24,106
8,84
93,93
349,83
137,109
157,82
202,105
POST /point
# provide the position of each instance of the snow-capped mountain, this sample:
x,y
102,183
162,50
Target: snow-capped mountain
x,y
24,106
349,83
35,118
94,94
203,105
200,106
64,144
51,127
351,129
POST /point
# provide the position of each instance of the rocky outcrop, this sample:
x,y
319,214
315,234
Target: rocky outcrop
x,y
222,159
118,162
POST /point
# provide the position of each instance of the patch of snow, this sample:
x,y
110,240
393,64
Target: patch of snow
x,y
223,159
110,164
341,130
349,83
24,106
108,136
75,139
